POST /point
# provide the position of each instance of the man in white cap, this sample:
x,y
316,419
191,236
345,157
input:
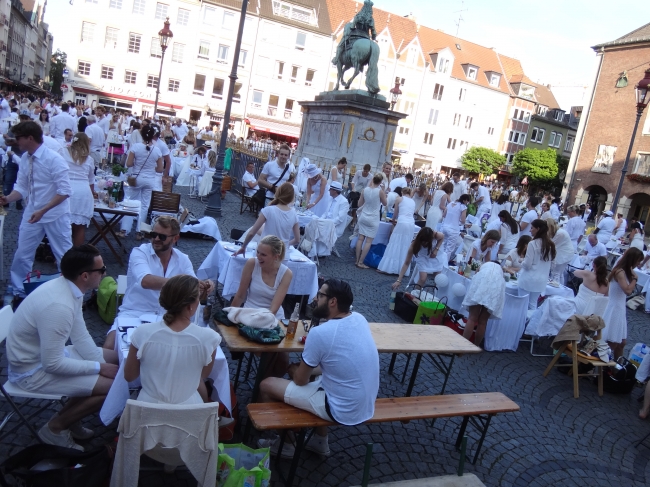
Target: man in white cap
x,y
339,208
605,228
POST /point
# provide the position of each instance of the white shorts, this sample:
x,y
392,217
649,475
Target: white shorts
x,y
310,397
67,385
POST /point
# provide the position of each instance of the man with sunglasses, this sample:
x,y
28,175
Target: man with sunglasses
x,y
40,361
150,266
343,354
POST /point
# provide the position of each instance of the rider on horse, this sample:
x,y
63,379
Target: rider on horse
x,y
357,29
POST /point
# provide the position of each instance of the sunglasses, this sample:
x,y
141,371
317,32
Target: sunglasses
x,y
161,236
319,294
101,270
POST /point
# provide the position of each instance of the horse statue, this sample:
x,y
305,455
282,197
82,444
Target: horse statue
x,y
358,49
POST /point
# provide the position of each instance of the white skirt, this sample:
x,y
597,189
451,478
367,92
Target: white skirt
x,y
429,264
434,217
81,202
398,247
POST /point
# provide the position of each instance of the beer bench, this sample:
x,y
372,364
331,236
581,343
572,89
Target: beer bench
x,y
478,408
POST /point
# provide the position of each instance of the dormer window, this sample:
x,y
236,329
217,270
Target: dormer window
x,y
558,115
443,65
495,79
412,55
541,110
471,71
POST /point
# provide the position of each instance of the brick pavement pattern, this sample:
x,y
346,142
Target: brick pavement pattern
x,y
554,440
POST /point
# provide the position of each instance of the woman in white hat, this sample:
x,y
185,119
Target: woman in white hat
x,y
317,190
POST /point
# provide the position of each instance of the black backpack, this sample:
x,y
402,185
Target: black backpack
x,y
620,379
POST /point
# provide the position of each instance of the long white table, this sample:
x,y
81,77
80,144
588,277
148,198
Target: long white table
x,y
383,234
119,391
228,269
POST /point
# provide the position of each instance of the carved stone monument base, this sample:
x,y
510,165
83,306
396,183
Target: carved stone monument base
x,y
351,124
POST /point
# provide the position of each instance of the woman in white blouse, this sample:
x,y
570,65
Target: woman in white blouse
x,y
44,122
514,259
173,357
486,249
82,180
509,231
536,266
338,173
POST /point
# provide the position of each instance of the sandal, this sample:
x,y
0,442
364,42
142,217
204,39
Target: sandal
x,y
121,234
363,266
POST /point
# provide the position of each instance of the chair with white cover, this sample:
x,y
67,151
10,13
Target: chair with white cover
x,y
548,319
504,333
171,434
11,391
596,306
322,234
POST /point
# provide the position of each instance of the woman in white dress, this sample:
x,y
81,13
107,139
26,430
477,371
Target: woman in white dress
x,y
486,249
441,198
145,163
198,165
82,180
594,284
338,173
501,204
44,122
421,196
370,200
636,236
173,357
279,219
425,250
622,281
509,231
514,259
454,216
536,266
402,236
563,248
318,193
264,284
484,299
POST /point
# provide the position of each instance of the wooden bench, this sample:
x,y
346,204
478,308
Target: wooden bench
x,y
478,408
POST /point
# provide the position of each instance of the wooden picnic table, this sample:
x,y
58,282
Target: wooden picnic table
x,y
103,231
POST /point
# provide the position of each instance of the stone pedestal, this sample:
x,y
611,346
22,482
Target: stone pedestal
x,y
350,124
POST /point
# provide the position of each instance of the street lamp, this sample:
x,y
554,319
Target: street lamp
x,y
395,93
164,35
642,93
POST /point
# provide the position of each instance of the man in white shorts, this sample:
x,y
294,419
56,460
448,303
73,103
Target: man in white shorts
x,y
39,360
342,354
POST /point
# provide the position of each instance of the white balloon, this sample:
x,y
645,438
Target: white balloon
x,y
441,280
458,289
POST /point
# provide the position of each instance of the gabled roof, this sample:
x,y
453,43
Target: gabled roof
x,y
403,30
545,96
642,34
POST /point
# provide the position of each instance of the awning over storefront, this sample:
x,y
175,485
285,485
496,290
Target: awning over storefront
x,y
274,127
107,94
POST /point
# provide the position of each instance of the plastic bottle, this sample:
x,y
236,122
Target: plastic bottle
x,y
293,322
9,296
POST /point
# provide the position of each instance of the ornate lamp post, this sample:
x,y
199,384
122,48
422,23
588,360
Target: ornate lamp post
x,y
642,92
164,35
395,93
214,201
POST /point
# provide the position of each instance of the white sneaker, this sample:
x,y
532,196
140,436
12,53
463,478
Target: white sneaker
x,y
288,449
61,439
318,444
79,432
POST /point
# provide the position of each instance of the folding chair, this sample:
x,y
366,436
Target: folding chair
x,y
10,391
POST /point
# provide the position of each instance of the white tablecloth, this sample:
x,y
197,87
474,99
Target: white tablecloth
x,y
181,166
644,280
119,391
383,234
206,183
220,262
207,226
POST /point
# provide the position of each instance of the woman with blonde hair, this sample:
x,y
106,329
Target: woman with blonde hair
x,y
190,139
279,218
173,357
82,180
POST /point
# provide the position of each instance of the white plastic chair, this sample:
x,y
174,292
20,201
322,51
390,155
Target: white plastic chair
x,y
10,391
504,333
171,434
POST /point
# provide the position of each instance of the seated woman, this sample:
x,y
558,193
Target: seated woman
x,y
484,299
173,357
636,236
425,252
594,284
512,262
486,249
264,284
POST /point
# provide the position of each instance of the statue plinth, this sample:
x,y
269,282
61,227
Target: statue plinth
x,y
353,124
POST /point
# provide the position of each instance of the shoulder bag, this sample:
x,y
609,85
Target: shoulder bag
x,y
259,198
132,180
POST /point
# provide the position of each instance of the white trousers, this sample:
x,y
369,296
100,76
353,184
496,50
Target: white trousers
x,y
452,241
142,193
30,235
532,297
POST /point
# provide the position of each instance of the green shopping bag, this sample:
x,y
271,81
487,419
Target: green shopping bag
x,y
241,466
431,312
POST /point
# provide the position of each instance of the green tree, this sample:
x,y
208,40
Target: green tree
x,y
539,166
482,160
59,60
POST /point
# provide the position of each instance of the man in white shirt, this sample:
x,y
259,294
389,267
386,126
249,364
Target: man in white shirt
x,y
605,228
402,182
44,185
594,249
66,140
249,181
180,130
575,227
61,122
274,174
361,179
103,120
482,199
460,187
529,216
339,208
150,267
96,136
343,357
39,360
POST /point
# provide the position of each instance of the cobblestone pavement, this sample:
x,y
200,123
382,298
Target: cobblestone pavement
x,y
554,440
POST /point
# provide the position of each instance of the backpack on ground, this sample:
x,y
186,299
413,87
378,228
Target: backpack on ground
x,y
107,299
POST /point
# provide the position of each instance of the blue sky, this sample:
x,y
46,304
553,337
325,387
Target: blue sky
x,y
551,38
